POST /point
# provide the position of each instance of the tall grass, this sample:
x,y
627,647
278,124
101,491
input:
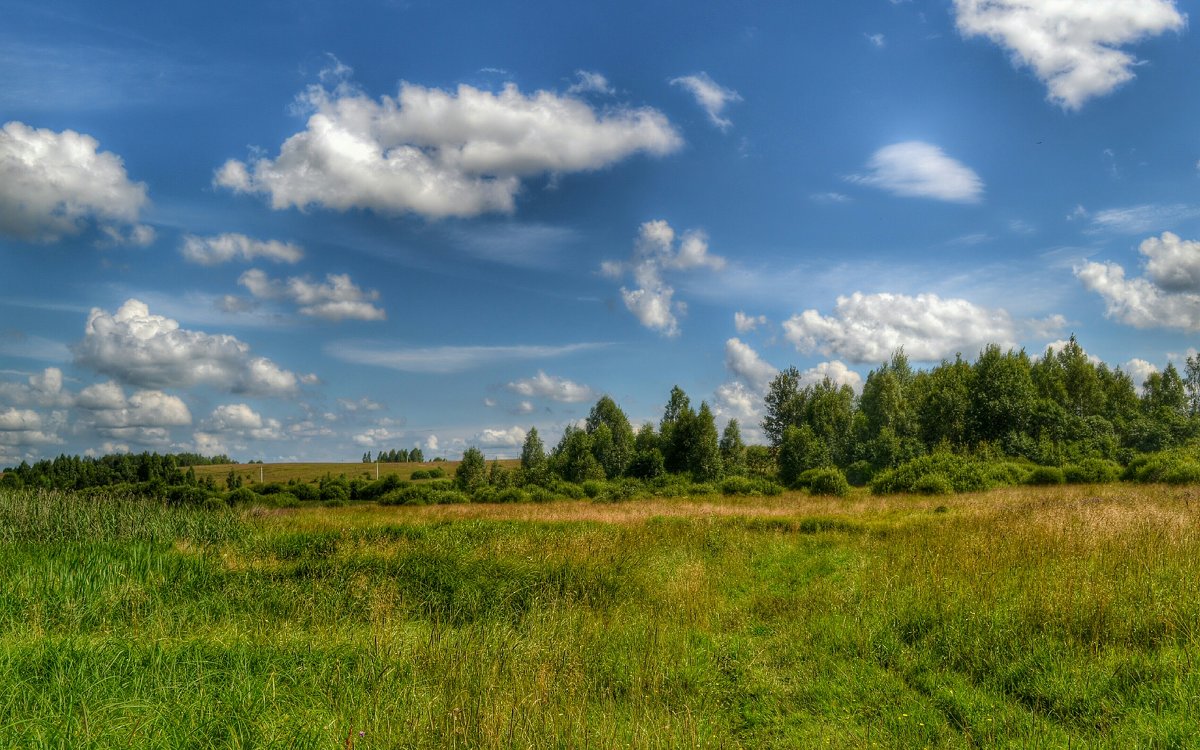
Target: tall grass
x,y
1040,617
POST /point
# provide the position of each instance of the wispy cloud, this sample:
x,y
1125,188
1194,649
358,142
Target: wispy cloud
x,y
446,359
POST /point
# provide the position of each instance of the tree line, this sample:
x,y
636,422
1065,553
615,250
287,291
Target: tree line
x,y
395,456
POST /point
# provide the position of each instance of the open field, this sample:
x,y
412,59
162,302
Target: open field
x,y
309,472
1017,618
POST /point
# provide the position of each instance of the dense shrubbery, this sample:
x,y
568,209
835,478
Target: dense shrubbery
x,y
959,473
1178,466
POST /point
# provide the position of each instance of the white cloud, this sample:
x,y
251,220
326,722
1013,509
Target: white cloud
x,y
152,351
441,153
710,95
552,388
746,323
735,401
19,427
377,436
868,328
141,418
210,251
1073,47
1173,264
1139,219
836,371
337,299
41,389
915,169
513,437
53,184
363,404
1138,301
746,365
590,82
878,40
233,417
1138,370
431,443
446,359
525,407
656,251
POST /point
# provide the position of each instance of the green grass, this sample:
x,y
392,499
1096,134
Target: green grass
x,y
1030,617
253,474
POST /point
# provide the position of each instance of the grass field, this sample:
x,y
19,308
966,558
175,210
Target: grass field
x,y
1062,617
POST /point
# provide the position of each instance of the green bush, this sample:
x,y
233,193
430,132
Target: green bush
x,y
1092,471
448,497
934,484
569,490
1178,466
964,474
827,481
593,488
336,491
411,494
304,491
511,495
1046,475
419,474
540,494
242,496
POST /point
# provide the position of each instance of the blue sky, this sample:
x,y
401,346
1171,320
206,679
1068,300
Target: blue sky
x,y
307,230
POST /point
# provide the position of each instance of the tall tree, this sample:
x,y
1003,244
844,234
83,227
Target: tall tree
x,y
619,452
704,456
733,450
785,405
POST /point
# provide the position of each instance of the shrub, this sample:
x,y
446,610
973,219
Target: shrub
x,y
827,481
594,488
336,491
436,472
411,494
242,496
964,474
419,474
1093,471
569,490
934,484
448,497
859,473
303,491
1177,466
1046,475
737,486
511,495
540,494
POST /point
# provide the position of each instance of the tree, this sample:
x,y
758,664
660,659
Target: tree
x,y
534,468
572,458
704,454
733,450
471,473
620,448
785,405
415,456
1192,383
1002,394
676,431
943,403
800,451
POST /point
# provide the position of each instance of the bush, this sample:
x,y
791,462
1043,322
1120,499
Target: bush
x,y
242,496
934,484
859,473
826,481
303,491
1046,475
737,486
419,474
411,494
448,497
540,494
1177,466
511,495
1093,471
964,474
569,490
436,472
593,488
336,491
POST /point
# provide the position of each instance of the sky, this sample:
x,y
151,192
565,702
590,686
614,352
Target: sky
x,y
306,230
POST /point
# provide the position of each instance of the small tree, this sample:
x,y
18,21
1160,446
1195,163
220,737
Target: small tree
x,y
733,450
704,455
534,468
472,471
800,451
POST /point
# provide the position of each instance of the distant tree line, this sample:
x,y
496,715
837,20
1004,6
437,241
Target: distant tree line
x,y
399,456
75,472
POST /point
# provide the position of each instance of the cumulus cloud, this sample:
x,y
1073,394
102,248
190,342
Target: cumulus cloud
x,y
240,418
337,299
152,351
746,365
1074,48
52,185
867,328
21,427
211,251
364,404
734,400
40,389
143,417
440,153
513,437
656,252
1138,370
836,371
712,97
746,323
552,388
1168,296
915,169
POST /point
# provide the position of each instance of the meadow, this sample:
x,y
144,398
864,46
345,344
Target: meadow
x,y
1022,617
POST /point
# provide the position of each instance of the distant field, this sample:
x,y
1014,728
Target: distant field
x,y
308,472
1030,617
